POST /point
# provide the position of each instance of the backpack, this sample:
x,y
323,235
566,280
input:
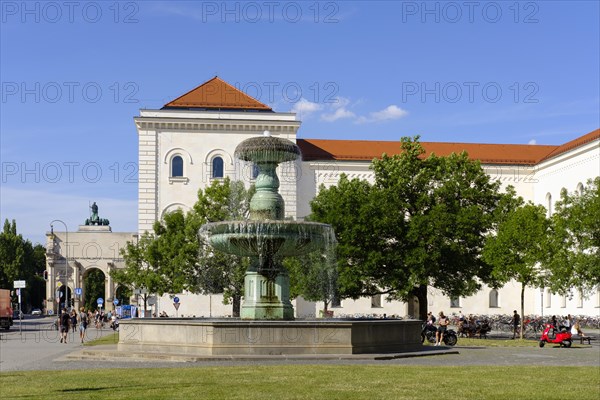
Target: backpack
x,y
84,319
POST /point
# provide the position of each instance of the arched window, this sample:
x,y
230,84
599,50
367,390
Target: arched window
x,y
580,299
549,204
579,188
176,166
493,298
548,298
217,167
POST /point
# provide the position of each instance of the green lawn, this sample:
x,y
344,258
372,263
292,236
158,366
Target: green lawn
x,y
307,382
112,338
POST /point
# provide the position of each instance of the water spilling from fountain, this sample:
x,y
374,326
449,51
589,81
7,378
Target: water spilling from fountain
x,y
266,237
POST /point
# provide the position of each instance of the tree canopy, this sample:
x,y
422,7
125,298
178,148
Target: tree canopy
x,y
519,245
215,271
422,222
20,260
573,257
173,258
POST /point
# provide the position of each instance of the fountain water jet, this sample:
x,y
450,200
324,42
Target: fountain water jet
x,y
266,237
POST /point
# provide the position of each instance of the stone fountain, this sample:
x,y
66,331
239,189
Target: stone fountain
x,y
266,238
267,325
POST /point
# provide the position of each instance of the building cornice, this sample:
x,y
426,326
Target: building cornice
x,y
212,125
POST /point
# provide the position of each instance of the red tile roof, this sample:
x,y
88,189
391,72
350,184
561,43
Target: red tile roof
x,y
594,135
216,94
364,150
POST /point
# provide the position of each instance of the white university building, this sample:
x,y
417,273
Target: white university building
x,y
191,141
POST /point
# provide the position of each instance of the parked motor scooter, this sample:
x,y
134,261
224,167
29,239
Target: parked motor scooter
x,y
428,333
562,337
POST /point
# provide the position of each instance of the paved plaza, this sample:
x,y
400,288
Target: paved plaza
x,y
37,347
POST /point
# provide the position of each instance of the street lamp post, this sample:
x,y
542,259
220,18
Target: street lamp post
x,y
542,301
66,257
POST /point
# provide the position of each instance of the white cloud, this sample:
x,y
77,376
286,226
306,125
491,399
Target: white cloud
x,y
340,102
340,113
304,108
341,107
390,112
532,141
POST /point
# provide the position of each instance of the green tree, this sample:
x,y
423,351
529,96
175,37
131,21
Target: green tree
x,y
574,256
20,260
314,277
215,271
422,222
175,258
94,288
519,245
158,262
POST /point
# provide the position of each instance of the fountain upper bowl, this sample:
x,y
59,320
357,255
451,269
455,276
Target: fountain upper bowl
x,y
267,238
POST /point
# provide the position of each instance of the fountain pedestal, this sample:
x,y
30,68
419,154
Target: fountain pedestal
x,y
266,299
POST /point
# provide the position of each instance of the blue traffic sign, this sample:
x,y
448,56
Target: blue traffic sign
x,y
116,301
78,291
100,300
175,299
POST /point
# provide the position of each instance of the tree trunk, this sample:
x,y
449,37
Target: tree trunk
x,y
522,309
420,292
236,301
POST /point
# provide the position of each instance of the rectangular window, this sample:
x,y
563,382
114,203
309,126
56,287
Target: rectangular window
x,y
454,302
376,301
335,302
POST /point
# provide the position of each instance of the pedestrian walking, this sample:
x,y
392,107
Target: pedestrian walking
x,y
83,323
64,321
516,321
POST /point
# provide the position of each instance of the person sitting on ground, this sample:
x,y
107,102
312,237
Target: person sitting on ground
x,y
443,323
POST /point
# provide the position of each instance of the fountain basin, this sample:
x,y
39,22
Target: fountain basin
x,y
273,238
267,149
225,337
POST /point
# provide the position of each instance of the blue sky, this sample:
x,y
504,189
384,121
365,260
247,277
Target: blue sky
x,y
74,74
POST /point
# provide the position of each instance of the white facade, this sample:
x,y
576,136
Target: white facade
x,y
200,136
